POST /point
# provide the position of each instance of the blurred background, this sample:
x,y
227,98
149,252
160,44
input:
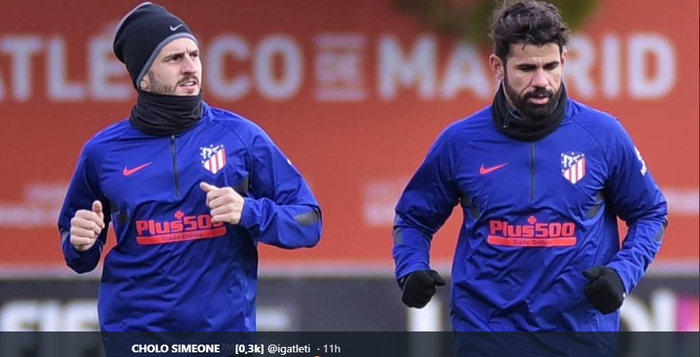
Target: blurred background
x,y
354,92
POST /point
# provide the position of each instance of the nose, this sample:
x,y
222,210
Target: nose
x,y
539,79
188,65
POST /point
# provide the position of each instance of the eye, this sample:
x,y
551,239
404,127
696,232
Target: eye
x,y
551,66
526,67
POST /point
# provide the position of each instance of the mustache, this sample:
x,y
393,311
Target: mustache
x,y
188,77
539,92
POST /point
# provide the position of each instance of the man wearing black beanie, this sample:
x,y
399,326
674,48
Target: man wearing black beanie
x,y
190,190
162,57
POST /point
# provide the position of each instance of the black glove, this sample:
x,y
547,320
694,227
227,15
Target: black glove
x,y
419,287
605,290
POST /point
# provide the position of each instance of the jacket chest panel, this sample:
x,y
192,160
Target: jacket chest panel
x,y
168,171
562,174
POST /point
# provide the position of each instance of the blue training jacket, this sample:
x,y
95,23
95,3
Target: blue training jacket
x,y
171,268
536,215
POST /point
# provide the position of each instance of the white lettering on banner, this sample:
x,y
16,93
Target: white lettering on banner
x,y
378,200
578,67
81,315
682,201
103,67
59,88
48,315
611,66
292,67
264,77
270,318
215,70
666,312
641,48
21,48
417,69
643,80
642,65
339,67
465,70
40,207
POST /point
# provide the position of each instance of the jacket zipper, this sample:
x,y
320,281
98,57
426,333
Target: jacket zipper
x,y
532,172
175,175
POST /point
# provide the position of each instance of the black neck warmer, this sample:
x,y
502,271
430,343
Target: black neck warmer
x,y
164,115
526,129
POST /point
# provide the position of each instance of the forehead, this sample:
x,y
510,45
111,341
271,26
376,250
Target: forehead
x,y
533,54
183,44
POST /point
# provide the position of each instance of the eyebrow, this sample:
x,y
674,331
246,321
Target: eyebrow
x,y
178,54
532,65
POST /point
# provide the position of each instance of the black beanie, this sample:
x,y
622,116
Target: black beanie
x,y
142,33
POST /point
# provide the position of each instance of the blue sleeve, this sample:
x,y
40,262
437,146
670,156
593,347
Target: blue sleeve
x,y
84,188
281,209
637,200
423,208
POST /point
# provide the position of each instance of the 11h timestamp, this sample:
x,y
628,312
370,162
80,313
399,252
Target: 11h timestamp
x,y
333,348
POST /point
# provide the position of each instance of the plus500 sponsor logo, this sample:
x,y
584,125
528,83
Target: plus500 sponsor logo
x,y
182,228
532,234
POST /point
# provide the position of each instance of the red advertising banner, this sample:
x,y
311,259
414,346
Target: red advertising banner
x,y
354,92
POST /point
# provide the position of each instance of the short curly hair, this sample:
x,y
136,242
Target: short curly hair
x,y
527,22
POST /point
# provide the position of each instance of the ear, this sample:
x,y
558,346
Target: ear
x,y
497,67
143,85
564,53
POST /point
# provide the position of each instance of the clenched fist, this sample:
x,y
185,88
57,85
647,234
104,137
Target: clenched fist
x,y
225,203
605,290
86,226
420,286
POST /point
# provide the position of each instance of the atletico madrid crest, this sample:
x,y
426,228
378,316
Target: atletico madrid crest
x,y
213,157
573,166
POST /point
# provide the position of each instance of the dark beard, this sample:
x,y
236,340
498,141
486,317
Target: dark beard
x,y
158,87
528,109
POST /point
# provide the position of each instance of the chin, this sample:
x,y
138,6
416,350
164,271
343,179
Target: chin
x,y
184,92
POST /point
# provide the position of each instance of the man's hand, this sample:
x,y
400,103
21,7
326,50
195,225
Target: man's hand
x,y
226,205
419,287
605,290
86,226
